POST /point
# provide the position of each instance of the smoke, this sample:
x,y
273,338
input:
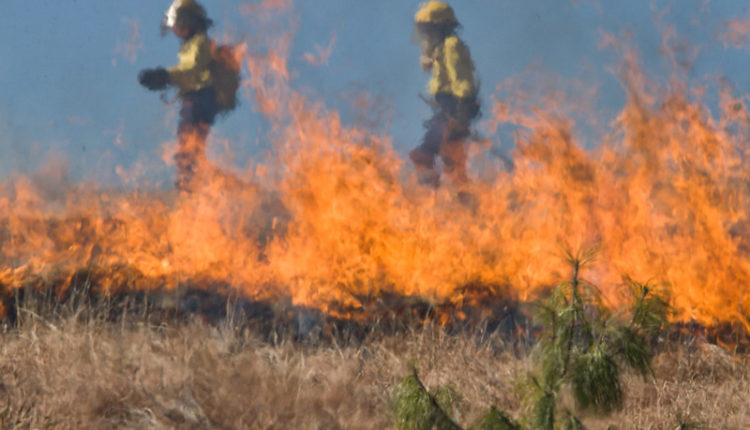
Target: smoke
x,y
736,32
596,3
132,45
51,179
78,120
266,9
321,55
333,219
369,111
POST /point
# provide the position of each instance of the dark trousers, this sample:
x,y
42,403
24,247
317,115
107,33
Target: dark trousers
x,y
197,114
445,135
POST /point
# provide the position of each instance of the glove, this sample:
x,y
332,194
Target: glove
x,y
154,79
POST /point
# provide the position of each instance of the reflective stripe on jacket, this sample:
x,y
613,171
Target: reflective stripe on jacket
x,y
452,69
193,71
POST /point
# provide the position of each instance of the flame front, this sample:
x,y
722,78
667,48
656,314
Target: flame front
x,y
336,217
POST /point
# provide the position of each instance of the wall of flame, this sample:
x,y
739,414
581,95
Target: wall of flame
x,y
336,216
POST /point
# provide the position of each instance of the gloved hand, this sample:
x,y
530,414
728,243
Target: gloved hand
x,y
154,79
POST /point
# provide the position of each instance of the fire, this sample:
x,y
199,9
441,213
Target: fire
x,y
336,218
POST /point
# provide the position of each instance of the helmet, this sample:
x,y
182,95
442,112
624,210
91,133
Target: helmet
x,y
170,16
435,12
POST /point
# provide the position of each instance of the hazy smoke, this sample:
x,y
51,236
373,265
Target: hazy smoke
x,y
132,45
736,32
321,55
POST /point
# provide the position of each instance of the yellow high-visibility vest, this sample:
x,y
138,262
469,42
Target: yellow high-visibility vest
x,y
452,69
193,72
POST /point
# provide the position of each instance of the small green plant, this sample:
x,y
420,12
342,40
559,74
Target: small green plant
x,y
583,347
415,408
495,420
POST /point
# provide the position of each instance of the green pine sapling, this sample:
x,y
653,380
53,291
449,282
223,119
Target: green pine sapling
x,y
583,347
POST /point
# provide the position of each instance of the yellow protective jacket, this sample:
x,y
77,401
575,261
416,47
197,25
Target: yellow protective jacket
x,y
452,69
193,71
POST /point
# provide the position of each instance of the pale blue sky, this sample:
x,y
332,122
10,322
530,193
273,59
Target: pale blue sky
x,y
67,90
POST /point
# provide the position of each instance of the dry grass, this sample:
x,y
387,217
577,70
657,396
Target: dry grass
x,y
93,374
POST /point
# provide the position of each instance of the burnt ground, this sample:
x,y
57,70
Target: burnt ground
x,y
117,293
122,293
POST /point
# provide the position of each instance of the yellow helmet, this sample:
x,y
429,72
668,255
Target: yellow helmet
x,y
435,12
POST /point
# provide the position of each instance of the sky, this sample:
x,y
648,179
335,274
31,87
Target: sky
x,y
69,93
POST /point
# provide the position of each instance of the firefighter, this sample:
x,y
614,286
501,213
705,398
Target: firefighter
x,y
453,90
194,81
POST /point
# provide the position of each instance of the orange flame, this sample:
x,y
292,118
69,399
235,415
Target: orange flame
x,y
336,217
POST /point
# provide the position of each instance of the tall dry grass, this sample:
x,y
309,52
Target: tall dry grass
x,y
79,372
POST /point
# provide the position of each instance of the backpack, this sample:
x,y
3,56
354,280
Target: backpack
x,y
225,70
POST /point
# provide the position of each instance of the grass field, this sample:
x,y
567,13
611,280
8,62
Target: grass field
x,y
78,372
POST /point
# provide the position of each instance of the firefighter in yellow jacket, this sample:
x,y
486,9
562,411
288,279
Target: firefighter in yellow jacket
x,y
193,78
454,89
